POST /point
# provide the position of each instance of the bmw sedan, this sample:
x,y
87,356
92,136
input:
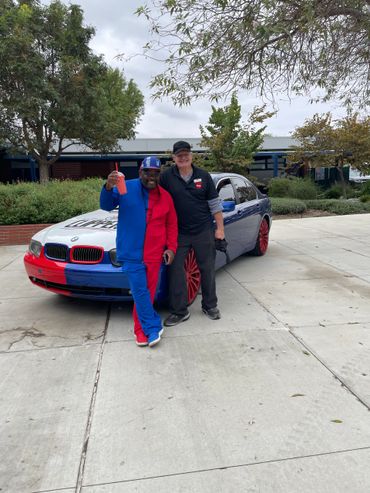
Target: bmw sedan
x,y
77,257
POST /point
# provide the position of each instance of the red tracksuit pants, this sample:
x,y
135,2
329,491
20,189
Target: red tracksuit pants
x,y
152,274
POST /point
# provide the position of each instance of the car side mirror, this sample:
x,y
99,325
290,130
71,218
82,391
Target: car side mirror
x,y
228,205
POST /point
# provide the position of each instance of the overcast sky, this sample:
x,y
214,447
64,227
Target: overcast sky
x,y
119,30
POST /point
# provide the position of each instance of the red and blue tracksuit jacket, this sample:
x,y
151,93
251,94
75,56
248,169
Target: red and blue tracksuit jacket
x,y
141,238
147,225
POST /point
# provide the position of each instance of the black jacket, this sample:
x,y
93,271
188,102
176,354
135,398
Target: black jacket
x,y
190,199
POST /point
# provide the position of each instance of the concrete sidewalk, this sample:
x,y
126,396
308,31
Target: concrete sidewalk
x,y
272,398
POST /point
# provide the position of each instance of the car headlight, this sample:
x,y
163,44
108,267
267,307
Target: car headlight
x,y
35,248
113,258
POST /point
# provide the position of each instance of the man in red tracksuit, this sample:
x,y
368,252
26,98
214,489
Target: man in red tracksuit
x,y
146,234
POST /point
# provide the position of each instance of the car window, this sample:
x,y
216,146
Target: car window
x,y
244,190
226,191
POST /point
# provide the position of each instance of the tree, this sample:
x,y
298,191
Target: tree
x,y
212,47
323,142
54,92
231,143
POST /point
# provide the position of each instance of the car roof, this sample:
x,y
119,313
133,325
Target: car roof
x,y
222,174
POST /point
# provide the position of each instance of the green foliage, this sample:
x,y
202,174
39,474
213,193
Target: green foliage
x,y
215,47
340,207
365,188
54,88
279,187
287,206
293,187
348,207
303,189
258,183
231,143
283,190
32,203
365,198
336,192
324,142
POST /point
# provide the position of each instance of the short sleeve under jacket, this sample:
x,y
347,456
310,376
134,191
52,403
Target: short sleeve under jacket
x,y
190,198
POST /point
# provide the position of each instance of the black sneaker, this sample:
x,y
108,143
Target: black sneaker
x,y
174,319
212,313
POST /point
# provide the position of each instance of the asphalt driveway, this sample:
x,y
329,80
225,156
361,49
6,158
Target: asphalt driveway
x,y
274,397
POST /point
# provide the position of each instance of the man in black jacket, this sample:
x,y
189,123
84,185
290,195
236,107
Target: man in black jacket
x,y
197,204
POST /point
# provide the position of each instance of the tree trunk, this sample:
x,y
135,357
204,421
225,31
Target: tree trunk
x,y
44,171
341,176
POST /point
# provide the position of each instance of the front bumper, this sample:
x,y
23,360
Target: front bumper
x,y
100,281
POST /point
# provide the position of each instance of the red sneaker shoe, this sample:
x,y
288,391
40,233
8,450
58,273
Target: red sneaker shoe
x,y
141,338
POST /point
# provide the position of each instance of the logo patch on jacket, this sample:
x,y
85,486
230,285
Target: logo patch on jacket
x,y
198,182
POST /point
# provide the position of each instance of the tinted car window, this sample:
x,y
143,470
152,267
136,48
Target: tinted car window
x,y
244,191
252,194
226,191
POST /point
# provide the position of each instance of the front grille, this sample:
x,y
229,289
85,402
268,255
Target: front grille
x,y
56,252
86,254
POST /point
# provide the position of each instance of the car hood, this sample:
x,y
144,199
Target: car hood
x,y
97,228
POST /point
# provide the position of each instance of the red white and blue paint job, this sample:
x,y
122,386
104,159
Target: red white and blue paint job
x,y
78,258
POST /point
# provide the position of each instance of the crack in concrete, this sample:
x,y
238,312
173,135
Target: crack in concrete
x,y
254,297
81,469
26,332
302,343
32,333
11,261
234,466
48,348
335,375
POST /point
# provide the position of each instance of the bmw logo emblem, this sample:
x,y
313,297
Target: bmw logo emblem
x,y
75,238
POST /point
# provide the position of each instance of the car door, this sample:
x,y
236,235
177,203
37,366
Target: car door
x,y
226,192
247,209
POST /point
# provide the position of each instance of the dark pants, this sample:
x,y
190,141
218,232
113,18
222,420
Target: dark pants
x,y
203,245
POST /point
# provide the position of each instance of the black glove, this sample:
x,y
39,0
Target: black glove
x,y
221,245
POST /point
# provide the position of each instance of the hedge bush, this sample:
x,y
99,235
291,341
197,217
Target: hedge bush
x,y
297,188
287,206
336,192
340,207
278,187
365,188
32,203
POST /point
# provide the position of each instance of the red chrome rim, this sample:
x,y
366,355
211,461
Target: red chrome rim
x,y
192,276
264,236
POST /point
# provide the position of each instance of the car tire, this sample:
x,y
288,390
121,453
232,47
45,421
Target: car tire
x,y
192,276
262,241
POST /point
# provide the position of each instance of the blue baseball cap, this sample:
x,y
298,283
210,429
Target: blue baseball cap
x,y
151,162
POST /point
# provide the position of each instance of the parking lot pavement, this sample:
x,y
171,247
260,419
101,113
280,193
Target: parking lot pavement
x,y
274,397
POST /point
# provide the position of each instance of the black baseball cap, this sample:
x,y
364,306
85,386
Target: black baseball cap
x,y
181,145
